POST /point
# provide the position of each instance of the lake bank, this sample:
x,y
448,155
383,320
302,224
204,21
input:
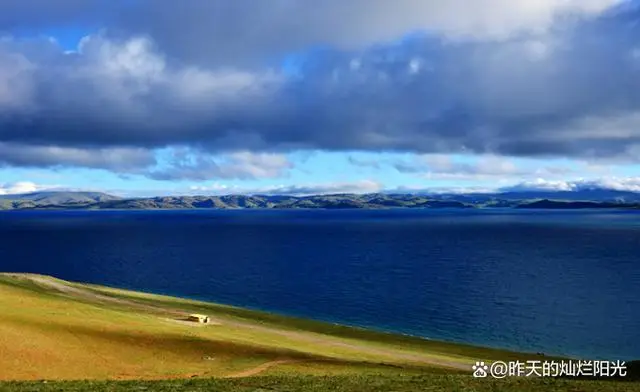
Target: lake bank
x,y
53,329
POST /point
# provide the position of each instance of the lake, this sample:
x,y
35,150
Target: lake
x,y
558,282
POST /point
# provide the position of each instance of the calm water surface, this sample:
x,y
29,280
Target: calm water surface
x,y
563,282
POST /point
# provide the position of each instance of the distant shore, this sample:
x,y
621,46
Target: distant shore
x,y
532,200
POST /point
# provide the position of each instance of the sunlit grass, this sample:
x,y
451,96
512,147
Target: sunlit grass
x,y
56,330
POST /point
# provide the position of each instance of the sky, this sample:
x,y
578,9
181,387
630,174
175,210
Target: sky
x,y
159,97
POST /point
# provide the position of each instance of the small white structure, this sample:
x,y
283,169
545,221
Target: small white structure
x,y
199,318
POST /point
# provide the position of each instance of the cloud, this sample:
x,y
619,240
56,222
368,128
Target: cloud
x,y
364,186
440,166
440,190
115,92
505,78
447,166
264,30
121,160
24,187
187,165
363,162
233,32
631,184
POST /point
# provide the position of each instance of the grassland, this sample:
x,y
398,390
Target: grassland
x,y
101,337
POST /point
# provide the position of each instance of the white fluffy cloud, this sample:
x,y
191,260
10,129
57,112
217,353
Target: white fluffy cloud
x,y
24,187
198,166
631,184
446,166
363,186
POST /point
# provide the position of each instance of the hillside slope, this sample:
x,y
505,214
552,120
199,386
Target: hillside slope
x,y
53,198
56,330
52,329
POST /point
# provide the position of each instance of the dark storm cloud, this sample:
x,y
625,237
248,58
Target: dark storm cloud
x,y
120,160
506,85
246,32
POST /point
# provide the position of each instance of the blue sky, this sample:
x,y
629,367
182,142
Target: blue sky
x,y
147,97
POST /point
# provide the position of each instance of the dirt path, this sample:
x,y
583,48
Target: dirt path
x,y
308,337
259,369
311,337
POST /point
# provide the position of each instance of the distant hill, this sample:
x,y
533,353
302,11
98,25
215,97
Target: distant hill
x,y
573,205
53,198
343,201
515,199
596,194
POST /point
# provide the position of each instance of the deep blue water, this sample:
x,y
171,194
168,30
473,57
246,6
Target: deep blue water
x,y
563,282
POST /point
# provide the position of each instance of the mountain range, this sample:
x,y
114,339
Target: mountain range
x,y
587,198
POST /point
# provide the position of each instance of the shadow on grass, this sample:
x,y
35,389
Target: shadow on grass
x,y
172,342
337,330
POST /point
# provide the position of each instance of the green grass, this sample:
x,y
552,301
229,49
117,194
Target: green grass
x,y
45,333
60,331
425,383
292,323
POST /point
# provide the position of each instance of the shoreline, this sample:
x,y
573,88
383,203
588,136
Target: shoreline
x,y
256,312
314,323
60,335
102,316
